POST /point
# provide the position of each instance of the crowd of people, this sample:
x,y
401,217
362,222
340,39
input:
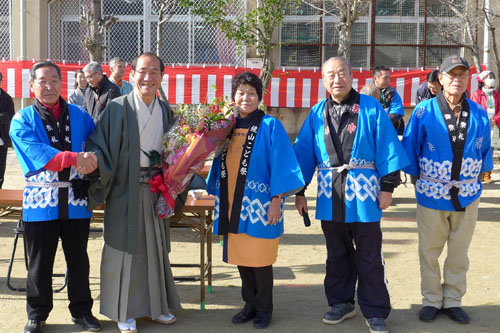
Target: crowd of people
x,y
92,151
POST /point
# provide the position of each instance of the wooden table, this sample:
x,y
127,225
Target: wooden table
x,y
197,214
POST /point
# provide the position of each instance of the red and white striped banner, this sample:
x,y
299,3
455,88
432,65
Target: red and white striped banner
x,y
197,84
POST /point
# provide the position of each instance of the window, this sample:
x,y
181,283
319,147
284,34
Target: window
x,y
5,29
186,38
401,38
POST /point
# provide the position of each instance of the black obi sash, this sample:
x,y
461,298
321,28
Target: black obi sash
x,y
341,121
457,133
226,223
59,133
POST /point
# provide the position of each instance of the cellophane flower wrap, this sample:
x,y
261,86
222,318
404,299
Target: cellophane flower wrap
x,y
197,132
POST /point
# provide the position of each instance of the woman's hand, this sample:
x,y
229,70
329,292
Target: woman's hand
x,y
274,211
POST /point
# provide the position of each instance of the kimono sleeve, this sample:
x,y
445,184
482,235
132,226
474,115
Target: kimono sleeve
x,y
213,177
286,177
413,139
105,142
30,142
486,152
396,106
390,155
304,149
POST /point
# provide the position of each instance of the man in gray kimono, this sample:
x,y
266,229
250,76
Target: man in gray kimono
x,y
136,278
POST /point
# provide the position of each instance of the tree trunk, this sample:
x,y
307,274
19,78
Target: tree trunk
x,y
97,52
345,34
474,47
267,70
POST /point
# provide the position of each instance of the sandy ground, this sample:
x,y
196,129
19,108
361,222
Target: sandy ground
x,y
299,301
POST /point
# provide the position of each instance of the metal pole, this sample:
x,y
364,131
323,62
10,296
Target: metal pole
x,y
23,40
486,42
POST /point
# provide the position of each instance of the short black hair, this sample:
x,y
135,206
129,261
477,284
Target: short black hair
x,y
433,76
150,54
379,69
42,64
246,78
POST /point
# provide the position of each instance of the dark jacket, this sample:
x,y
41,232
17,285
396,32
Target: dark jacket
x,y
95,99
6,114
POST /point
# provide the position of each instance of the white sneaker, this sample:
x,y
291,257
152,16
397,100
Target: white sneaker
x,y
127,327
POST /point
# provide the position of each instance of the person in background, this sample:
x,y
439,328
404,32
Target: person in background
x,y
6,114
371,90
100,90
430,88
78,95
389,97
49,140
352,144
250,180
136,277
489,98
117,67
448,143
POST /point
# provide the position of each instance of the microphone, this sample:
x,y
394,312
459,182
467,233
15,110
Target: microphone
x,y
307,220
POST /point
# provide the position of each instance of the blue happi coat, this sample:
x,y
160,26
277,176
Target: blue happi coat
x,y
426,141
33,150
273,170
375,142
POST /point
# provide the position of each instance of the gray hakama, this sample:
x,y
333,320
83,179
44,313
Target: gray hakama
x,y
145,285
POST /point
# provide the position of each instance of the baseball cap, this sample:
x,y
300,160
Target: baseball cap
x,y
452,62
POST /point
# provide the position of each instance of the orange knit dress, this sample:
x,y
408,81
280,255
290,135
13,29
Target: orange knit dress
x,y
242,249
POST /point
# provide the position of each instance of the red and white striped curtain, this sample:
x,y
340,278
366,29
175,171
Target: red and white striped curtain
x,y
197,84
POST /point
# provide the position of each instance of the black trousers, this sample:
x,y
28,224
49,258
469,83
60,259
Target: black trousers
x,y
42,239
3,163
364,264
257,287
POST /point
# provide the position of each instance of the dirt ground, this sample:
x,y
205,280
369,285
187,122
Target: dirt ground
x,y
299,301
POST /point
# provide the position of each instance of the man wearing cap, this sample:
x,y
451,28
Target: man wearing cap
x,y
448,142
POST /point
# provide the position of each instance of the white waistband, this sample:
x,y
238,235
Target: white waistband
x,y
46,185
339,169
448,184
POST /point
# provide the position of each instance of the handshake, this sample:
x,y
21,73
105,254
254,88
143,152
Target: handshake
x,y
86,162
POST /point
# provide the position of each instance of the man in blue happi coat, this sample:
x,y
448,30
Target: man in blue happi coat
x,y
352,144
389,97
448,143
49,140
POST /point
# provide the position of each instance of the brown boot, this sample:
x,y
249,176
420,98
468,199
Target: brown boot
x,y
487,177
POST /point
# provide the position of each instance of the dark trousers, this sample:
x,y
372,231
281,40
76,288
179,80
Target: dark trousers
x,y
363,263
257,287
3,163
42,239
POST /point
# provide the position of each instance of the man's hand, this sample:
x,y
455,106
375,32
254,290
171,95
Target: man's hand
x,y
301,204
274,211
384,199
86,162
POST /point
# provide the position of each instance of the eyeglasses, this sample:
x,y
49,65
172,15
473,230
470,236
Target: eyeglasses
x,y
462,76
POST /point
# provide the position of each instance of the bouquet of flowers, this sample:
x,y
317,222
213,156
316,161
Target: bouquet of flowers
x,y
197,132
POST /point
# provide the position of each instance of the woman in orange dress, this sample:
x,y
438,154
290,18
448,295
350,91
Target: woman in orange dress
x,y
250,180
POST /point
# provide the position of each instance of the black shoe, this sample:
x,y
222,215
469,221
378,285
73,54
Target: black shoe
x,y
428,314
88,323
34,326
247,314
457,314
262,320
